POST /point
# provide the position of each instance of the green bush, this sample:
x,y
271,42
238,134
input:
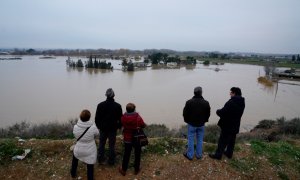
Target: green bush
x,y
291,127
52,130
206,62
157,130
265,124
166,145
8,149
182,132
212,133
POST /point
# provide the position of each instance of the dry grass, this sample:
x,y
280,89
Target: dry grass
x,y
51,159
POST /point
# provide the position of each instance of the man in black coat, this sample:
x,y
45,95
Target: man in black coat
x,y
230,119
196,113
108,120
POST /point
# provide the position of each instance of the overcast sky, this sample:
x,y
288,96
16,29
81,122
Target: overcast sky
x,y
263,26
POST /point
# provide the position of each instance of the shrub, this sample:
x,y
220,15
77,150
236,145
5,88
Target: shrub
x,y
206,62
182,132
265,124
8,149
212,133
53,130
157,130
291,127
18,129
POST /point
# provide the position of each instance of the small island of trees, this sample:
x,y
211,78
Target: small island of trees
x,y
97,64
163,58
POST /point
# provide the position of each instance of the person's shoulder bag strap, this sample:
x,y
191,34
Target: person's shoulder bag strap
x,y
83,133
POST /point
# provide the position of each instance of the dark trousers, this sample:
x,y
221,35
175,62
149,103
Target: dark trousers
x,y
126,156
226,144
90,169
111,136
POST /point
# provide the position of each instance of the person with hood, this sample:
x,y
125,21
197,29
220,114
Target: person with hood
x,y
131,121
85,148
196,113
230,119
108,120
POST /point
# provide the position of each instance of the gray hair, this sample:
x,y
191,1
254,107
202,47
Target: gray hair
x,y
198,90
110,93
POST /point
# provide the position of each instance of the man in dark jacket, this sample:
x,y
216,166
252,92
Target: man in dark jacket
x,y
230,119
108,120
196,113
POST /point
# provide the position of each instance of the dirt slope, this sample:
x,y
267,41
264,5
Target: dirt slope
x,y
51,159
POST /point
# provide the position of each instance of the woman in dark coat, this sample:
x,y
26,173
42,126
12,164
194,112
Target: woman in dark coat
x,y
131,121
230,119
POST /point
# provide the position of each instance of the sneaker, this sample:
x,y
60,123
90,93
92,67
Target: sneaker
x,y
121,171
213,156
199,158
186,156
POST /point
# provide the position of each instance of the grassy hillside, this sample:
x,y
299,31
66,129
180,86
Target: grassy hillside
x,y
162,159
270,151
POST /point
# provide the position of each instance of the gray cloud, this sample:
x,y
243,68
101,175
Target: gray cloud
x,y
269,26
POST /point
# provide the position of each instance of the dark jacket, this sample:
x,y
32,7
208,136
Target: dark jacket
x,y
108,115
196,111
230,115
130,123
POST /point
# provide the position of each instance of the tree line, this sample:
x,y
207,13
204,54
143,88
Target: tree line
x,y
164,58
294,59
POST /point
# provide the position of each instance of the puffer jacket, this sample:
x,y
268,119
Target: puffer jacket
x,y
230,115
85,149
130,122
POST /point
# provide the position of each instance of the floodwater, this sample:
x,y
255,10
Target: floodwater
x,y
42,90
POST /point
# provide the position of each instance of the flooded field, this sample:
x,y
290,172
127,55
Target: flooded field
x,y
42,90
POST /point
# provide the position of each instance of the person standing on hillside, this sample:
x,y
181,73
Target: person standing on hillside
x,y
131,122
108,120
230,119
85,148
196,113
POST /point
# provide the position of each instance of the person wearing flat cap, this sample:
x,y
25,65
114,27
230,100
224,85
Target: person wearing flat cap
x,y
196,113
108,120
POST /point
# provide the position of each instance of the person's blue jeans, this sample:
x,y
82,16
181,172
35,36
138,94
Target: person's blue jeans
x,y
193,132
